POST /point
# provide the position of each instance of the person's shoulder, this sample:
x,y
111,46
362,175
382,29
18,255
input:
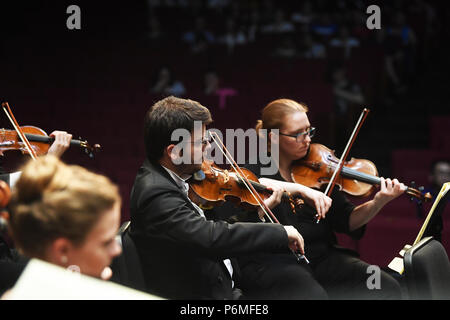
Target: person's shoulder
x,y
150,179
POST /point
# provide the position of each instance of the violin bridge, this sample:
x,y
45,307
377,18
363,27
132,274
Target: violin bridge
x,y
227,176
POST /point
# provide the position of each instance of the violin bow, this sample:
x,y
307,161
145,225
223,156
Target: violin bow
x,y
349,145
249,186
19,131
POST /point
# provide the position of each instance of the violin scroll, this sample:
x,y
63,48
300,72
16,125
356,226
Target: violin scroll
x,y
418,193
88,149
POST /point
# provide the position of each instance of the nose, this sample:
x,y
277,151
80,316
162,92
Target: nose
x,y
307,138
206,146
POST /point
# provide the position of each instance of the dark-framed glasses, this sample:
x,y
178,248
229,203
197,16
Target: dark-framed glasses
x,y
299,137
204,142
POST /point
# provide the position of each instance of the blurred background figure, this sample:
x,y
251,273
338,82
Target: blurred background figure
x,y
200,37
166,85
344,41
312,49
348,102
439,174
233,36
212,87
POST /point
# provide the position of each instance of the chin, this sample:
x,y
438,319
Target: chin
x,y
301,154
195,167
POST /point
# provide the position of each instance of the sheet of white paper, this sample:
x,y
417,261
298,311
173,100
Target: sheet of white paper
x,y
45,281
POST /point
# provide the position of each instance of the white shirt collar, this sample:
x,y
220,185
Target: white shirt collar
x,y
181,182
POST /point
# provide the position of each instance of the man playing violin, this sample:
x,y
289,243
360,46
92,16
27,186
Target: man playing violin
x,y
184,255
337,270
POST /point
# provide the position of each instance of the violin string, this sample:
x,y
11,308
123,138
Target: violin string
x,y
361,176
19,132
231,161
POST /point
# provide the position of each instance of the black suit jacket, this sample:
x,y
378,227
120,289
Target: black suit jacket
x,y
181,252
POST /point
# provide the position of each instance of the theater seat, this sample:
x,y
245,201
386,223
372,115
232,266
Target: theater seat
x,y
127,268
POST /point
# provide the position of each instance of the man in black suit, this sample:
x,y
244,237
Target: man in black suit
x,y
183,255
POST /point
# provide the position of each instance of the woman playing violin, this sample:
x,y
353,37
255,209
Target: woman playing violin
x,y
338,270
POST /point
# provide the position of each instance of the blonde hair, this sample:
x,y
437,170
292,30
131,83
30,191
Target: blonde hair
x,y
274,114
52,199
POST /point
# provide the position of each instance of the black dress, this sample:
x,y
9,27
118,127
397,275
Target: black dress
x,y
12,265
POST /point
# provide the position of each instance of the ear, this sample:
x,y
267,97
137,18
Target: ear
x,y
59,251
273,138
174,152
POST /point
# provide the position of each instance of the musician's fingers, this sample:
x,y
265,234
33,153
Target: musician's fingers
x,y
382,184
389,184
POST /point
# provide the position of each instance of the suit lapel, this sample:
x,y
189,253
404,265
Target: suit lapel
x,y
158,169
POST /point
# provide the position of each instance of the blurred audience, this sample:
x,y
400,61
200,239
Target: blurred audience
x,y
166,84
200,37
344,41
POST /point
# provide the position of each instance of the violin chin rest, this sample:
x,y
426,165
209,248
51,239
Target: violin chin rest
x,y
199,176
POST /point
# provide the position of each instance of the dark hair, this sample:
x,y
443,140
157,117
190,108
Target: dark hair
x,y
164,117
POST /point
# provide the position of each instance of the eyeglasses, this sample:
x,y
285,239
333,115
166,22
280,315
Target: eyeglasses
x,y
299,137
204,142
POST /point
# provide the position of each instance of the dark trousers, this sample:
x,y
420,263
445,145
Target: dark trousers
x,y
339,276
344,276
278,276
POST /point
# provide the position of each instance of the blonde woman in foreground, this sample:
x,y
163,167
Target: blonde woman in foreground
x,y
66,215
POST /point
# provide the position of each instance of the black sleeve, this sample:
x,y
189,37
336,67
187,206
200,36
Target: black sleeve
x,y
168,215
339,215
232,212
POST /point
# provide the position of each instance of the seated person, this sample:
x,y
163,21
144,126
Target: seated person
x,y
65,215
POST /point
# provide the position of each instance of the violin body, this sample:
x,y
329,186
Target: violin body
x,y
218,185
316,170
9,140
5,196
357,177
39,140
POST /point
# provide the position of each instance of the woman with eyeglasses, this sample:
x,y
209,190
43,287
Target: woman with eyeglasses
x,y
337,270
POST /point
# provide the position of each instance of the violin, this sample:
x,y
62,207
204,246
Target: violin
x,y
225,191
5,196
39,140
211,186
357,177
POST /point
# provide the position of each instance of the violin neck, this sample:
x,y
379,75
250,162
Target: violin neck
x,y
360,176
49,140
262,188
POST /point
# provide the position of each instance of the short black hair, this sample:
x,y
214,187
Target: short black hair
x,y
164,117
